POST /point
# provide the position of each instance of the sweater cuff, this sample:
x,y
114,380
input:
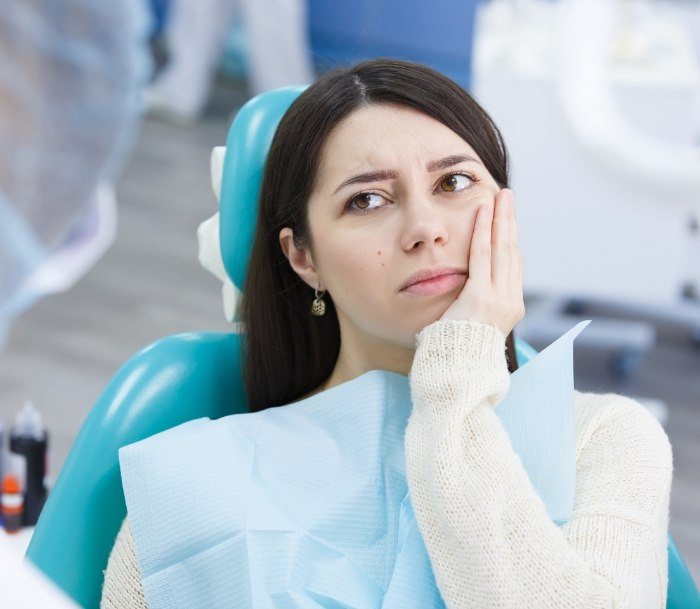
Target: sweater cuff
x,y
457,364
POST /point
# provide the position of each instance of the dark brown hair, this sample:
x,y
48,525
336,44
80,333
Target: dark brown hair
x,y
287,352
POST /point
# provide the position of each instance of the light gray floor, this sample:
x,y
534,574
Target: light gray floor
x,y
63,352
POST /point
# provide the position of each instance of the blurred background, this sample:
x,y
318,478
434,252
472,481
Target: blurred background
x,y
108,116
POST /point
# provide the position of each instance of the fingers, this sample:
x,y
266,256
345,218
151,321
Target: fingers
x,y
501,250
480,250
516,261
495,258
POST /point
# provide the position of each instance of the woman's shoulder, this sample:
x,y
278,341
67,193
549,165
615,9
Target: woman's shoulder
x,y
623,454
619,413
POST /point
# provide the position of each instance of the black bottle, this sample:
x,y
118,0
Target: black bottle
x,y
29,439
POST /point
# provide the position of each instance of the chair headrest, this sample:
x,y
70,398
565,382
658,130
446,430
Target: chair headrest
x,y
226,239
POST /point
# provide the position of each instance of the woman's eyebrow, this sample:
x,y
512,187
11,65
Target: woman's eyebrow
x,y
450,161
390,174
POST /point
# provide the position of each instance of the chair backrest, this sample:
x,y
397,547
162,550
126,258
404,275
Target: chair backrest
x,y
177,379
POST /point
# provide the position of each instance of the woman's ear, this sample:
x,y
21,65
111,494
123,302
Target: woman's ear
x,y
299,259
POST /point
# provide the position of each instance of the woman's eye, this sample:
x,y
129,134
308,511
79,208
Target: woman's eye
x,y
363,200
456,181
453,182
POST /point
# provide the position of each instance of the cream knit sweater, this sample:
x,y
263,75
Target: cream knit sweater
x,y
487,532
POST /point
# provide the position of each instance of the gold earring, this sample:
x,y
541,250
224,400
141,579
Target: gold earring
x,y
318,306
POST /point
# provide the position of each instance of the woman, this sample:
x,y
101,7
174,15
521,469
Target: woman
x,y
379,177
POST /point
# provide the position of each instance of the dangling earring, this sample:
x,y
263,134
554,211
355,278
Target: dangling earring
x,y
318,306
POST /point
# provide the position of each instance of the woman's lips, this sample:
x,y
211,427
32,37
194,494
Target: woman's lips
x,y
437,285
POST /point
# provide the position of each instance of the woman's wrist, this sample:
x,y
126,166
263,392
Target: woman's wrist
x,y
458,361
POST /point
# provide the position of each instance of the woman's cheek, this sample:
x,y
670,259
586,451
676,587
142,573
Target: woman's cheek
x,y
346,271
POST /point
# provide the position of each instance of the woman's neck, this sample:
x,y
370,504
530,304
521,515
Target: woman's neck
x,y
349,367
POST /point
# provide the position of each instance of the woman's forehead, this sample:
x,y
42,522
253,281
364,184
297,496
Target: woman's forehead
x,y
385,137
377,128
380,135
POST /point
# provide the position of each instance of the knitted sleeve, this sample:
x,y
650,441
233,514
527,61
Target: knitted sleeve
x,y
122,587
489,538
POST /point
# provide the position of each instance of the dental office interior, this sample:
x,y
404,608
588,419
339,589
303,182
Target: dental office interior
x,y
115,138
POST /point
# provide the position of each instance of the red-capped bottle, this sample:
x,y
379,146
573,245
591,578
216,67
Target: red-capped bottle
x,y
11,504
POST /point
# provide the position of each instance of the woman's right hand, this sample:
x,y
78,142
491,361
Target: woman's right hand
x,y
493,292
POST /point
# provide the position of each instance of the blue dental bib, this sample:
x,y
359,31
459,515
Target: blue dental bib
x,y
307,505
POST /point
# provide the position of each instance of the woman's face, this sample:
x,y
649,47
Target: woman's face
x,y
371,232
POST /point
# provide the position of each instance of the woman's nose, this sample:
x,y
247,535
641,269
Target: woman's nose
x,y
423,224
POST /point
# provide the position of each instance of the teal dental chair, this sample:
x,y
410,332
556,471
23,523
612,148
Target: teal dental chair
x,y
179,378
